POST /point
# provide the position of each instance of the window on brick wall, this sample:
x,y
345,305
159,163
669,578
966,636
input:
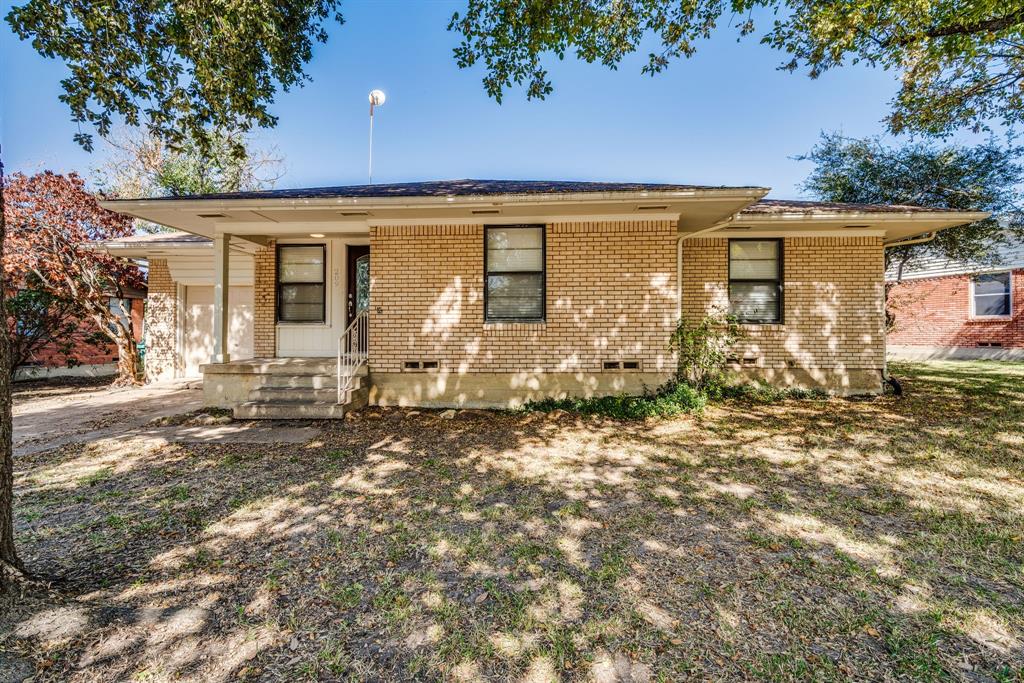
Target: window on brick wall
x,y
755,280
514,273
990,295
301,294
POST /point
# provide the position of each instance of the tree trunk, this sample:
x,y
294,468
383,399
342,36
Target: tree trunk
x,y
890,314
8,555
129,364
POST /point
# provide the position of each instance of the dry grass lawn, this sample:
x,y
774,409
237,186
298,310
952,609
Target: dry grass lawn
x,y
825,540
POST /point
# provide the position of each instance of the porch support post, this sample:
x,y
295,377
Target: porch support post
x,y
221,284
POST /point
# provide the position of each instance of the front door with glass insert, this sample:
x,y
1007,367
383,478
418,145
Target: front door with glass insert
x,y
358,297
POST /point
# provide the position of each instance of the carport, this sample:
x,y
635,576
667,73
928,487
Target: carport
x,y
189,259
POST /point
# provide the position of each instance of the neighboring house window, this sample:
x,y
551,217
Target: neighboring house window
x,y
514,267
990,295
755,280
122,309
301,294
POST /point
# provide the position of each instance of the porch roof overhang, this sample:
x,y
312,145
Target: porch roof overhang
x,y
253,217
893,226
289,213
162,245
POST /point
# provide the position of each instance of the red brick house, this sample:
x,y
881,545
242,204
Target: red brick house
x,y
87,358
945,309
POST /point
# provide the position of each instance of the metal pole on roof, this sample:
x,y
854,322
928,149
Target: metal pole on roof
x,y
376,99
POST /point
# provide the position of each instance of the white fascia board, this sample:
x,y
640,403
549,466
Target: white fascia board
x,y
895,225
162,250
946,217
130,206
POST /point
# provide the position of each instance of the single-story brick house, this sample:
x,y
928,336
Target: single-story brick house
x,y
492,293
955,309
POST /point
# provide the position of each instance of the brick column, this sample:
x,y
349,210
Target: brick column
x,y
161,327
264,336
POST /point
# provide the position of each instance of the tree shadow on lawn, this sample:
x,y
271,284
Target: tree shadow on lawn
x,y
827,540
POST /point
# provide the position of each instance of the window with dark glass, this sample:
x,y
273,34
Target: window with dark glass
x,y
755,280
301,294
991,295
514,267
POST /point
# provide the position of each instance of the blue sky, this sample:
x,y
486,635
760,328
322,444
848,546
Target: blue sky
x,y
726,116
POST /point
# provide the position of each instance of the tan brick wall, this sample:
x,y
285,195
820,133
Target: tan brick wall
x,y
611,295
162,355
833,323
264,326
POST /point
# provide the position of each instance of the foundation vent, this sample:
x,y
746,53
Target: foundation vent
x,y
417,365
627,365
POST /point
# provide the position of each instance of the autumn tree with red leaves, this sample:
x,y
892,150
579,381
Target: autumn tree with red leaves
x,y
51,221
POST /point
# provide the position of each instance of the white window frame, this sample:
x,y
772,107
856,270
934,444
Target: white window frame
x,y
1008,316
778,281
326,318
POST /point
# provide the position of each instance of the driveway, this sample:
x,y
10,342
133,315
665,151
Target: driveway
x,y
59,415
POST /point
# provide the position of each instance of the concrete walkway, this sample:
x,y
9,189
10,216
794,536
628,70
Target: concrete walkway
x,y
96,414
44,423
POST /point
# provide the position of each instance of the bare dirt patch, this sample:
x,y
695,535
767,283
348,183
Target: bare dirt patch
x,y
33,390
830,540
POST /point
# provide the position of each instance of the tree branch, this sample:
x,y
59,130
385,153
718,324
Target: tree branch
x,y
983,26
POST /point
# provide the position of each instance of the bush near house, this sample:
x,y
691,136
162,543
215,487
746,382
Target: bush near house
x,y
702,350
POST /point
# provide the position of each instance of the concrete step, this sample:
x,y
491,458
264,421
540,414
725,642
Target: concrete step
x,y
289,367
320,381
298,393
289,410
306,383
291,404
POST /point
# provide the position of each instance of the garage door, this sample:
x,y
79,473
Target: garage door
x,y
198,330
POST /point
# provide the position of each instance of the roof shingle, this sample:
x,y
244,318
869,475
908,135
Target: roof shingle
x,y
768,207
456,188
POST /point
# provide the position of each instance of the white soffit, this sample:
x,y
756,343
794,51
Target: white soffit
x,y
695,209
890,226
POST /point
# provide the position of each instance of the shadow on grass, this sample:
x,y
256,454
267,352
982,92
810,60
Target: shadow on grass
x,y
827,540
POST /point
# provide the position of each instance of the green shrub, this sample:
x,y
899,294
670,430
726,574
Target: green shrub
x,y
673,398
703,348
758,392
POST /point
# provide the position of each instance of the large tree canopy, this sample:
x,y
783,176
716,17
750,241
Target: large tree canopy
x,y
50,220
986,177
960,64
184,69
180,69
139,164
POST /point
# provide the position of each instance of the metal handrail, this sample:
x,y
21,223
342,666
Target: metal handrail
x,y
352,351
